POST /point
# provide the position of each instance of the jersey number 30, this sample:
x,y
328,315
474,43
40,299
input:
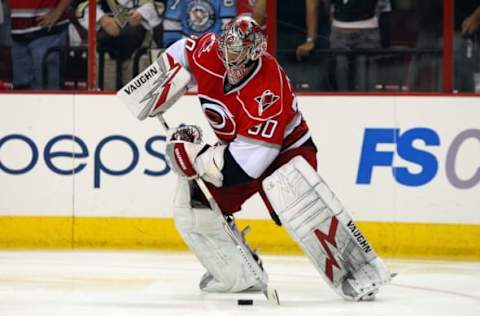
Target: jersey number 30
x,y
265,129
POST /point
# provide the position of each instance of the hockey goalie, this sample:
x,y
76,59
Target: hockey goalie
x,y
264,147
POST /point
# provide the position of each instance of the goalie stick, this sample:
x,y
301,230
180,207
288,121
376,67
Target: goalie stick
x,y
150,94
270,293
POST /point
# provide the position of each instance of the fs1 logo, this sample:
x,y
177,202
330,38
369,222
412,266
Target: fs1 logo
x,y
371,157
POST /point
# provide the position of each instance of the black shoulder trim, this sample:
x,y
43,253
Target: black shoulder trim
x,y
233,174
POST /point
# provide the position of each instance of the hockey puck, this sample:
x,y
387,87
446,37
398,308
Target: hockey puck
x,y
245,302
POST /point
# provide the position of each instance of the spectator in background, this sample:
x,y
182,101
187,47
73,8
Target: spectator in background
x,y
425,67
158,29
311,24
466,42
466,46
122,26
354,25
259,11
195,17
5,43
36,26
3,26
5,38
122,31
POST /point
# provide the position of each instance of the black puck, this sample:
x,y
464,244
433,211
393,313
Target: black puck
x,y
245,302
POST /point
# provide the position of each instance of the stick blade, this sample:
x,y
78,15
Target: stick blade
x,y
272,295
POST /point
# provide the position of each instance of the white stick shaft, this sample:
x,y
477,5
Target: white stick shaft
x,y
162,121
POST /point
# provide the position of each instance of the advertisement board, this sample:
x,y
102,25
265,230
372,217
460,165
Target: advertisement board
x,y
390,159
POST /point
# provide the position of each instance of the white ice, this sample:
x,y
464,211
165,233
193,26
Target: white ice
x,y
105,283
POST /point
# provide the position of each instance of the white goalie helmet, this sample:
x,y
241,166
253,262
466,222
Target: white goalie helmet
x,y
241,42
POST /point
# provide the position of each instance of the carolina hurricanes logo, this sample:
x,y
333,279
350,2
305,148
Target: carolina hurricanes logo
x,y
218,116
266,100
330,238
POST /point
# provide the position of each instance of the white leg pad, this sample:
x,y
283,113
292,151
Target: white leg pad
x,y
317,221
229,268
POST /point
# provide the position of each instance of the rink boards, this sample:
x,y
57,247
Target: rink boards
x,y
78,171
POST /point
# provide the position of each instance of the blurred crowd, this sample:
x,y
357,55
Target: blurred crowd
x,y
324,45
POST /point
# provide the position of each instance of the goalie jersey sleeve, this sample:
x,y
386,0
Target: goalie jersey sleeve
x,y
258,117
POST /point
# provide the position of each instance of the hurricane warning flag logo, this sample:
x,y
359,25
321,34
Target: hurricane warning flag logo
x,y
266,100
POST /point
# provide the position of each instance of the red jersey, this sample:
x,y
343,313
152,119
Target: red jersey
x,y
258,118
261,109
25,13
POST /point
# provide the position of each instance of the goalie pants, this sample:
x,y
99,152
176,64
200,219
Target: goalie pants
x,y
230,199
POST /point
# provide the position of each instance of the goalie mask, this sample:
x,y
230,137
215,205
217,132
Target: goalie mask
x,y
241,42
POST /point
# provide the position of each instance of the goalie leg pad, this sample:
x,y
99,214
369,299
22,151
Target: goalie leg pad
x,y
229,268
317,221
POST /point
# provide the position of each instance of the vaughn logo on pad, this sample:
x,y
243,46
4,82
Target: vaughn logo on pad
x,y
138,82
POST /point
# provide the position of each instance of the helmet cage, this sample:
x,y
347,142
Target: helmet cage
x,y
241,42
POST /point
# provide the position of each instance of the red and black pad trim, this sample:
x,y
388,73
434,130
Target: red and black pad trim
x,y
327,241
183,161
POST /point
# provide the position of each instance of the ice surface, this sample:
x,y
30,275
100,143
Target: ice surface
x,y
106,283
